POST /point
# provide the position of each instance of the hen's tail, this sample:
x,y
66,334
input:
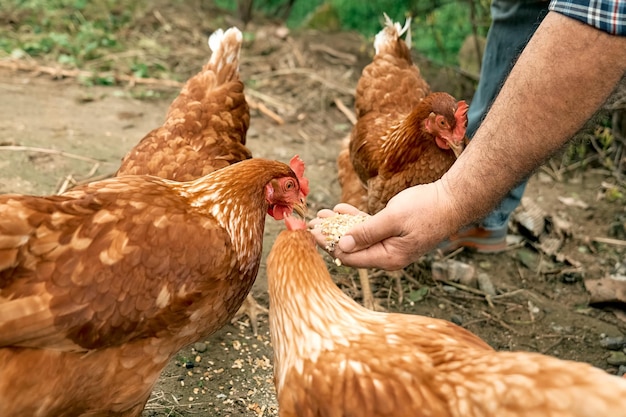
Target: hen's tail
x,y
388,39
206,125
224,61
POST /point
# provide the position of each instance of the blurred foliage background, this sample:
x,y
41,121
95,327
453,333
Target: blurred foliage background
x,y
153,39
76,32
439,26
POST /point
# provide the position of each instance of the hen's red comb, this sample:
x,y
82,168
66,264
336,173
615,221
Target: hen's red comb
x,y
461,109
297,165
461,119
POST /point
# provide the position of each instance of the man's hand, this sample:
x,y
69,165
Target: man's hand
x,y
414,222
552,76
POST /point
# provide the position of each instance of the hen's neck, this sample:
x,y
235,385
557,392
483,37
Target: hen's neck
x,y
406,140
309,313
238,204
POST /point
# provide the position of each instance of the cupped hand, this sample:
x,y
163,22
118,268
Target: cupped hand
x,y
412,223
314,224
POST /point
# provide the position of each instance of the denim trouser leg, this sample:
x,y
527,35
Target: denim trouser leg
x,y
513,23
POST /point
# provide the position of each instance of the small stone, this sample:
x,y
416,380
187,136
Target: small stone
x,y
485,284
485,264
528,258
613,343
189,364
282,32
617,358
456,319
455,271
200,347
622,370
571,277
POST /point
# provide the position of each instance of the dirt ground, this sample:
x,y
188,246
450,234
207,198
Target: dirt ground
x,y
55,131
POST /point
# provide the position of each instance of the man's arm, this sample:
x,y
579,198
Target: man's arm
x,y
563,76
565,73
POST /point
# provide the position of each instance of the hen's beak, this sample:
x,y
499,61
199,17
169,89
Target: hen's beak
x,y
457,147
301,208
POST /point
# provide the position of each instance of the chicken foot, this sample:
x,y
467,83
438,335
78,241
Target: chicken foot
x,y
397,277
366,292
368,297
252,309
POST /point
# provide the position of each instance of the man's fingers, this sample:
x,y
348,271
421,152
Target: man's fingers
x,y
341,208
363,235
344,208
366,244
375,256
323,213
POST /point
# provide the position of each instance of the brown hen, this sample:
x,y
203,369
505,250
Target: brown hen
x,y
205,126
404,134
101,286
333,357
204,130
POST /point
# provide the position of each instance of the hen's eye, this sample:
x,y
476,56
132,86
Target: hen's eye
x,y
289,185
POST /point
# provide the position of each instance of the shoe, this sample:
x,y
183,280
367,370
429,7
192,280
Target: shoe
x,y
478,239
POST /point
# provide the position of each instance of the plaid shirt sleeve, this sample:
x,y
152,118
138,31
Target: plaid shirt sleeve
x,y
606,15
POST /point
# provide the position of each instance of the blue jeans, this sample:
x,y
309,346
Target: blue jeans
x,y
513,23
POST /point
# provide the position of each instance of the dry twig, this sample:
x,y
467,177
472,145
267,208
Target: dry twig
x,y
71,182
57,72
609,241
500,322
552,346
312,75
52,152
348,59
279,105
346,111
257,105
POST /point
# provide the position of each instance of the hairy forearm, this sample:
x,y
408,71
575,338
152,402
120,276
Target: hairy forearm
x,y
565,73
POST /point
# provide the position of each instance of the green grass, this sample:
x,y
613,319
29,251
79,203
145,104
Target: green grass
x,y
438,30
73,31
93,34
74,34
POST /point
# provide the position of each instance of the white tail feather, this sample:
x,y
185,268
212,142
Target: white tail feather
x,y
225,46
392,32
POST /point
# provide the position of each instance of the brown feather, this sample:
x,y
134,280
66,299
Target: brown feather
x,y
205,126
352,190
135,291
334,357
99,287
390,149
